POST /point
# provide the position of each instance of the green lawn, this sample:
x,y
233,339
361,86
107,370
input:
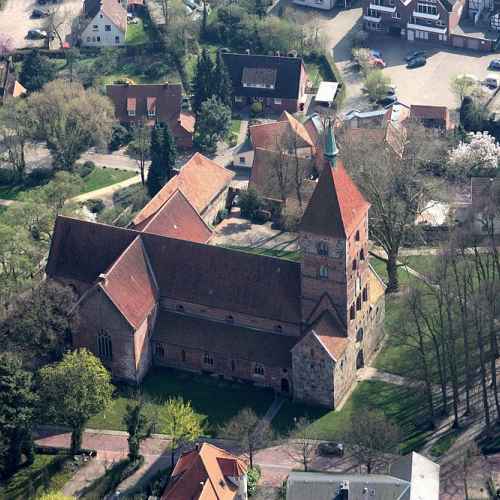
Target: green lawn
x,y
218,400
103,177
235,126
314,74
293,255
35,478
404,406
421,263
136,33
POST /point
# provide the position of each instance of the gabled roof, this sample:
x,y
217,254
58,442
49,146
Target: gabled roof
x,y
178,219
287,81
192,272
434,113
200,181
130,285
331,334
276,135
336,206
114,11
202,474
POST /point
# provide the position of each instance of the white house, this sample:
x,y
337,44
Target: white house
x,y
316,4
105,23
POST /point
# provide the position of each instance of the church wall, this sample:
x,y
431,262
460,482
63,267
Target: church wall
x,y
98,314
313,372
245,320
345,373
180,357
142,346
374,327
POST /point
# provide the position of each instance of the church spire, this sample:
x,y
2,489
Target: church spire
x,y
331,151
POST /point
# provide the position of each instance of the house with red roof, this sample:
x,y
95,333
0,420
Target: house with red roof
x,y
157,294
207,473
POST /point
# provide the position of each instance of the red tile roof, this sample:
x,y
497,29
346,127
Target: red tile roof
x,y
130,285
187,122
178,219
200,180
202,474
331,335
432,113
116,13
336,206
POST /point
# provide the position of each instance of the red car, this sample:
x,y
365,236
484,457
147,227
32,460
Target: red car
x,y
378,63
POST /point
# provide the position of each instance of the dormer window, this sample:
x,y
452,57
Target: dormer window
x,y
322,248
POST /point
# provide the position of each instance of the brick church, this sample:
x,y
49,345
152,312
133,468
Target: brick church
x,y
153,297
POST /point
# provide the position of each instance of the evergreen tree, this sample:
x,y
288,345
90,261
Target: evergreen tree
x,y
222,81
17,402
203,81
36,71
155,169
204,20
169,154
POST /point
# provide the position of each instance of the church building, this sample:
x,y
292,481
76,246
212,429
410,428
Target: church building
x,y
302,328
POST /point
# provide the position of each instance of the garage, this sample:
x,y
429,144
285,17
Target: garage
x,y
458,41
473,44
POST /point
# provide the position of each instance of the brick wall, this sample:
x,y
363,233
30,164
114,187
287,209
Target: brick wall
x,y
166,354
217,314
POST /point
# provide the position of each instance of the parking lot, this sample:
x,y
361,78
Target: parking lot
x,y
15,20
429,84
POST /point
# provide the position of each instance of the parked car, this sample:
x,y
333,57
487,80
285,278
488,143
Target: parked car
x,y
377,63
36,34
415,54
331,449
491,81
417,62
494,64
387,100
38,14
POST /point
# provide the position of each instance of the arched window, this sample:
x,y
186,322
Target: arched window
x,y
258,369
362,254
183,356
357,236
312,353
323,272
358,303
359,335
354,265
233,365
365,293
352,314
322,248
104,346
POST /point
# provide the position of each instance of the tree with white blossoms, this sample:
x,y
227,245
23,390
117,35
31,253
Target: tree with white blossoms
x,y
478,155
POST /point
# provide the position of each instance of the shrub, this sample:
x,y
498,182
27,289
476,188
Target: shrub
x,y
377,84
256,108
253,476
132,196
119,137
155,71
6,176
96,206
39,177
86,169
249,201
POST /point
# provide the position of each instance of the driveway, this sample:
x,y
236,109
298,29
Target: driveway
x,y
15,20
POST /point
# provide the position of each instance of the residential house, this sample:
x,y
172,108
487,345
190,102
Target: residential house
x,y
202,182
9,86
429,20
154,105
278,82
432,117
207,473
104,23
317,4
301,328
285,135
412,477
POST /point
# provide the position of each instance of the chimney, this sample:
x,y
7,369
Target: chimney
x,y
102,278
165,85
278,53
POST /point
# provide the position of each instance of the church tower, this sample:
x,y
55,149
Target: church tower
x,y
333,238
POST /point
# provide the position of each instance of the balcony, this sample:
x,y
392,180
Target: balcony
x,y
371,19
430,17
383,8
429,29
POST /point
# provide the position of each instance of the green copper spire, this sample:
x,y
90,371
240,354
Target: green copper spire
x,y
331,150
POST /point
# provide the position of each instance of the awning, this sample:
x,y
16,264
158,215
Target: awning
x,y
326,92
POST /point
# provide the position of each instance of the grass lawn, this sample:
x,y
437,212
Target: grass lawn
x,y
103,177
235,126
34,476
136,33
314,74
421,263
293,255
404,406
219,400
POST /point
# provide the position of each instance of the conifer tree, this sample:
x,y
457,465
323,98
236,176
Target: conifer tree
x,y
36,71
222,81
203,81
169,153
155,169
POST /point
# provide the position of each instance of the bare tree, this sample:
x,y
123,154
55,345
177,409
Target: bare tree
x,y
249,430
139,147
303,444
370,435
58,21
